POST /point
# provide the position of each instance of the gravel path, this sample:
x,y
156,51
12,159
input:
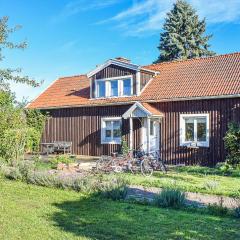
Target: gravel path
x,y
194,199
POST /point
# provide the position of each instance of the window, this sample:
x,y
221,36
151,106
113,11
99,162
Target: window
x,y
101,89
194,129
151,128
114,87
126,87
111,130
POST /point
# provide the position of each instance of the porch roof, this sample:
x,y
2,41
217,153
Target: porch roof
x,y
142,110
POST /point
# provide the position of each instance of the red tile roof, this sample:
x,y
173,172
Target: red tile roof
x,y
152,109
202,77
195,78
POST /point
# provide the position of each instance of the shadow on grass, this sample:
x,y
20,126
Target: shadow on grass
x,y
96,218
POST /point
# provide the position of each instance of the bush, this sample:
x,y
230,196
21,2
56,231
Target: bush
x,y
211,185
237,212
170,198
12,144
66,159
116,189
42,179
232,144
218,210
13,173
26,168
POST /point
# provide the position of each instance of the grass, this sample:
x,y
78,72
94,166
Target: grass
x,y
189,181
32,212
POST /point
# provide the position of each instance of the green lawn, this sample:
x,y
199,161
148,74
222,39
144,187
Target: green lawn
x,y
32,212
190,181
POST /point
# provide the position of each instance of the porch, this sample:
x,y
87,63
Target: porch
x,y
150,125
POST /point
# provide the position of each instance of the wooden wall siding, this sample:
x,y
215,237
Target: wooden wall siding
x,y
221,111
114,71
82,126
145,77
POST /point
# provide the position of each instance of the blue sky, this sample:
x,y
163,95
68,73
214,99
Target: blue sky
x,y
72,37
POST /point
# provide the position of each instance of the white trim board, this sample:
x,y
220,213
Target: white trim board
x,y
103,120
114,62
183,142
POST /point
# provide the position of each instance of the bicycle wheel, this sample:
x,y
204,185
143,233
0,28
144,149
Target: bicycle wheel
x,y
163,167
146,168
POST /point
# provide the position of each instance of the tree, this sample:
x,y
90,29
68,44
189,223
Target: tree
x,y
183,35
9,74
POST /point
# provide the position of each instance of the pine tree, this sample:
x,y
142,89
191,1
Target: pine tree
x,y
183,36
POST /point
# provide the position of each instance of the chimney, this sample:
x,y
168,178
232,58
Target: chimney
x,y
123,59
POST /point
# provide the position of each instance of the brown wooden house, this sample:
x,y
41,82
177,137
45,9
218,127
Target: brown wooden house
x,y
181,108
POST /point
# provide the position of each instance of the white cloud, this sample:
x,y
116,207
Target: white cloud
x,y
148,16
75,7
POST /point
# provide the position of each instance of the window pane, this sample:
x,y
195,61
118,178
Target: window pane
x,y
116,129
201,129
189,129
100,89
151,128
114,88
108,124
127,87
108,133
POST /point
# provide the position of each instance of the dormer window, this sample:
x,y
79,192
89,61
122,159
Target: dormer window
x,y
101,89
114,87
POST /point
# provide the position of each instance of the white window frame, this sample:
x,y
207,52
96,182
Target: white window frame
x,y
183,142
108,86
103,132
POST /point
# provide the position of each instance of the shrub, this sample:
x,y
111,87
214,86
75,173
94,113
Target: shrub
x,y
13,173
43,179
232,144
115,189
237,212
124,147
170,198
25,168
61,159
217,209
211,185
12,144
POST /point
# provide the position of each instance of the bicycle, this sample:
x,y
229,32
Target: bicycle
x,y
151,163
106,164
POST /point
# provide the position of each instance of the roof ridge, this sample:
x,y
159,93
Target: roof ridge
x,y
73,76
192,59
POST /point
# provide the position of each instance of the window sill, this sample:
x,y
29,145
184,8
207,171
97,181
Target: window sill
x,y
112,142
102,98
198,145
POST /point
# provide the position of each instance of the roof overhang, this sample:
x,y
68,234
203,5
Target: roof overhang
x,y
114,62
128,65
139,110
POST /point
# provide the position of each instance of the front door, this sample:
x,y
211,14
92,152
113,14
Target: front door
x,y
152,135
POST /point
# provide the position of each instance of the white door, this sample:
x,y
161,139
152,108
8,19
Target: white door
x,y
154,135
151,135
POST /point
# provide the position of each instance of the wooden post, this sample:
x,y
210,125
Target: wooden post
x,y
131,133
148,135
